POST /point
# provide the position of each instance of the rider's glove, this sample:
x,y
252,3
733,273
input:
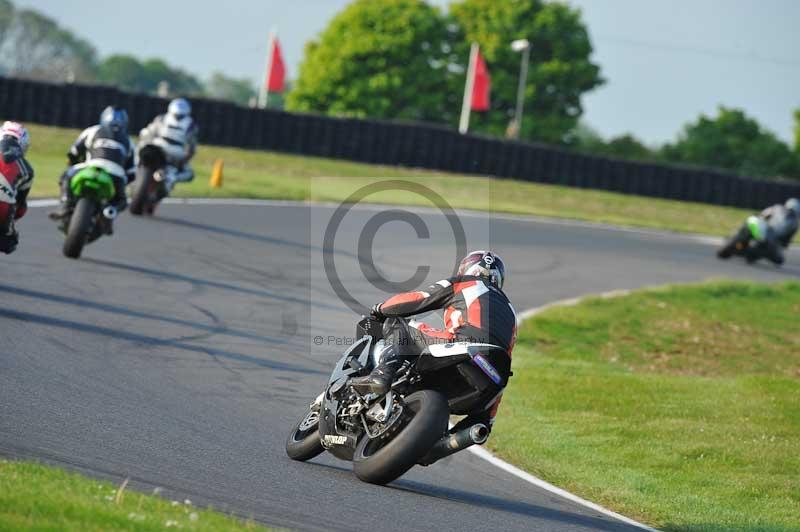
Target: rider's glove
x,y
376,314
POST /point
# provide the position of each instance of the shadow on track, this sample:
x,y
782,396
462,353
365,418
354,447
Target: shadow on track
x,y
154,342
783,270
105,307
516,507
203,282
495,503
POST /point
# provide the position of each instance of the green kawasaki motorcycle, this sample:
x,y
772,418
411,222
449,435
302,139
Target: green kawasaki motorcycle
x,y
92,217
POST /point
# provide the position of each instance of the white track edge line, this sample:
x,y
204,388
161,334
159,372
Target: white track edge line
x,y
546,486
527,477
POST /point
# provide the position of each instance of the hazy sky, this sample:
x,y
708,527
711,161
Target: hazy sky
x,y
665,61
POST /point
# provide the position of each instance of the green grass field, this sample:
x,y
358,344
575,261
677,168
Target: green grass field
x,y
260,174
678,406
36,497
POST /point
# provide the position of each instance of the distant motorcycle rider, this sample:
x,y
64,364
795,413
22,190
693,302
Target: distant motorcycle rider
x,y
775,226
16,179
475,310
107,146
175,133
784,220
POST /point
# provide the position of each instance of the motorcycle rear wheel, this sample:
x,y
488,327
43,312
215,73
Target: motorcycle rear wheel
x,y
142,192
377,463
78,230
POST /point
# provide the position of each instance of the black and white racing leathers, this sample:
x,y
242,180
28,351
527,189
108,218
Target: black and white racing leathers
x,y
178,139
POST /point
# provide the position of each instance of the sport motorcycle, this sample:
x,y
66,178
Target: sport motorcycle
x,y
92,217
386,435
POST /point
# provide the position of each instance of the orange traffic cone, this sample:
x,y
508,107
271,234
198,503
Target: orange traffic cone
x,y
216,174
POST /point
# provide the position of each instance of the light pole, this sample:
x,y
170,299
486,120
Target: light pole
x,y
524,46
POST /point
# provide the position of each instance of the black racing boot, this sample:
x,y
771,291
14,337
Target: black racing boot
x,y
379,381
62,216
67,204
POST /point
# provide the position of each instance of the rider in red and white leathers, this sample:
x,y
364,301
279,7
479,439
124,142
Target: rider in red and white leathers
x,y
475,310
16,178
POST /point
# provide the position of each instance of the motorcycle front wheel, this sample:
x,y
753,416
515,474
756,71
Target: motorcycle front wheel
x,y
728,249
303,442
379,462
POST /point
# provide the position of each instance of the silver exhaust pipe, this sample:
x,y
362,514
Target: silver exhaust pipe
x,y
452,443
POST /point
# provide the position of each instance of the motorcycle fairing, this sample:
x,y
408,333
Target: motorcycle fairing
x,y
8,194
758,228
470,375
336,439
94,182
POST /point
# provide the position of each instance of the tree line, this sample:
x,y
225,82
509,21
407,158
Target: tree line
x,y
34,46
730,140
406,59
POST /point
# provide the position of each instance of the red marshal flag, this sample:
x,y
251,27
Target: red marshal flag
x,y
476,89
276,70
481,85
274,74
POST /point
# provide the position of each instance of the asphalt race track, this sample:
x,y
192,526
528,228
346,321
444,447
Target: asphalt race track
x,y
179,352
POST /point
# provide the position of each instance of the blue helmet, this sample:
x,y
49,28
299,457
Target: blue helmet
x,y
114,118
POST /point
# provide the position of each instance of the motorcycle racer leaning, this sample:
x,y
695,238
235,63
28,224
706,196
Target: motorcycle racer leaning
x,y
783,220
107,146
16,172
475,310
176,134
782,223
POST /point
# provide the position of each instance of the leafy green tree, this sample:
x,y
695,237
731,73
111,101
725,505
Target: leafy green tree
x,y
734,141
180,81
226,88
628,147
128,73
560,67
586,138
37,47
386,59
797,132
624,146
123,71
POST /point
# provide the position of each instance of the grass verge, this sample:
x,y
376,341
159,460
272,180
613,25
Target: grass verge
x,y
679,406
260,174
36,497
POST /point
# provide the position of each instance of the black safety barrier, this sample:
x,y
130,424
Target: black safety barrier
x,y
418,145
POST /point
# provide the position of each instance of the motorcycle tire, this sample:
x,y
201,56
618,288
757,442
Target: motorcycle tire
x,y
78,230
304,442
141,198
728,249
381,464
